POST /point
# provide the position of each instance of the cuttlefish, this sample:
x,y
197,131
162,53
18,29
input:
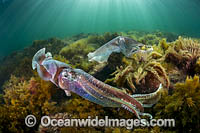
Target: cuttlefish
x,y
125,45
90,88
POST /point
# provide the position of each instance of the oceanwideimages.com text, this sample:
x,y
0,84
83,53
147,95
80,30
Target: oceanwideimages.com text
x,y
47,121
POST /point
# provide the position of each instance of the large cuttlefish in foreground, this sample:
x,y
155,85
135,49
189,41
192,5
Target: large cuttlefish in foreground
x,y
90,88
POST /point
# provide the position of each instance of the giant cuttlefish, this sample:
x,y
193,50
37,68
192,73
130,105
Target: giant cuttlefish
x,y
125,45
90,88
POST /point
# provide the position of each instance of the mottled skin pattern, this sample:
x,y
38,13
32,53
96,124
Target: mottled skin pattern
x,y
88,87
125,45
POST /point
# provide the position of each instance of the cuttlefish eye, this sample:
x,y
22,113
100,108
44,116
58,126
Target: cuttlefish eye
x,y
64,74
143,47
135,49
149,46
68,75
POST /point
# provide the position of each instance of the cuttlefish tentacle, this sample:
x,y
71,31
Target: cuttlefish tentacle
x,y
88,87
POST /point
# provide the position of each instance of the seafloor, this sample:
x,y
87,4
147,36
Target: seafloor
x,y
175,62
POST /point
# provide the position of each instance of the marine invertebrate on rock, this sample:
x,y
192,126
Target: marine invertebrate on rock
x,y
184,53
119,44
183,105
85,85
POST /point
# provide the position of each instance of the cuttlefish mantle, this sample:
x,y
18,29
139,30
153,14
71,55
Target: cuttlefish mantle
x,y
90,88
126,45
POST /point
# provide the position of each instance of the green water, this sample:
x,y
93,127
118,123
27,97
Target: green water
x,y
22,21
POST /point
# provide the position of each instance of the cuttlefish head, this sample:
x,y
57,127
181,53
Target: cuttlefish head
x,y
66,80
146,48
48,68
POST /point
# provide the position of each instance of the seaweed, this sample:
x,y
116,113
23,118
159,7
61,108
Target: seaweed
x,y
22,98
163,44
143,71
183,105
150,39
184,53
117,130
76,54
101,39
171,63
197,66
18,63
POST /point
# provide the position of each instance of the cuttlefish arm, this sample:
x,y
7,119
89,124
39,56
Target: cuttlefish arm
x,y
88,87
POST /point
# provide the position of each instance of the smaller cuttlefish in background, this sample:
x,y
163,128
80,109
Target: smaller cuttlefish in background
x,y
119,44
90,88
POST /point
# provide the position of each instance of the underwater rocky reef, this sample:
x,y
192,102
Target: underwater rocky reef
x,y
174,63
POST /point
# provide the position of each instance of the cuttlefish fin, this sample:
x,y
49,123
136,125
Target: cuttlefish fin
x,y
37,63
39,57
